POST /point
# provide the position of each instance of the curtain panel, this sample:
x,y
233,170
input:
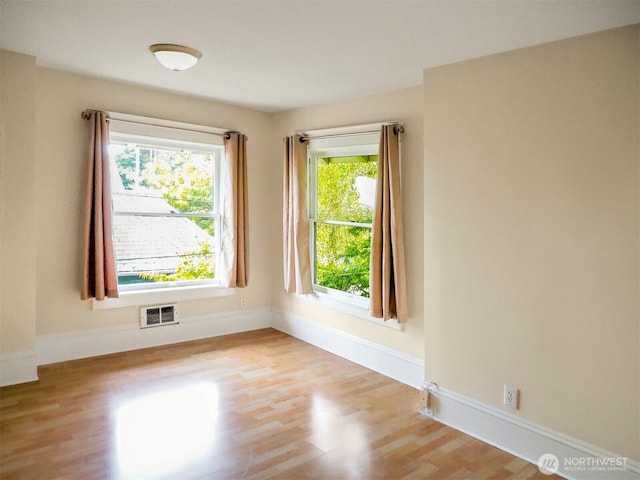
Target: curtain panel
x,y
99,275
234,261
297,262
387,272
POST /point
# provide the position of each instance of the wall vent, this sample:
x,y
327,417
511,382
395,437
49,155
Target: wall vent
x,y
158,315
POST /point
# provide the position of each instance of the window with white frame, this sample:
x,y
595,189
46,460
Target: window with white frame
x,y
165,197
342,186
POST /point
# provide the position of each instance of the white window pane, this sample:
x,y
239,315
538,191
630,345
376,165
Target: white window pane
x,y
159,249
345,186
160,180
164,202
342,257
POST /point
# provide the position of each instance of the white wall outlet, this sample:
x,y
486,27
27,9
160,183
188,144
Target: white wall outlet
x,y
424,399
243,303
511,395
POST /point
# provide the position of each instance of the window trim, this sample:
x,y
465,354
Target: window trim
x,y
135,298
131,129
161,128
348,306
367,144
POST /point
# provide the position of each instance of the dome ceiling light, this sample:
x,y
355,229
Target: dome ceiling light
x,y
175,57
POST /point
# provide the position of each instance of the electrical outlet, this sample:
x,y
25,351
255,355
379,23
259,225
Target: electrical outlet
x,y
424,399
243,303
511,397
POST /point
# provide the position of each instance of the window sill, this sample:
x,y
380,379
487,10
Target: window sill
x,y
349,307
138,298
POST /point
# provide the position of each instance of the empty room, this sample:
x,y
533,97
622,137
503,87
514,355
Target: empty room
x,y
322,239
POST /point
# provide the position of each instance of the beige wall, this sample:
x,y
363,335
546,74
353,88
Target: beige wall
x,y
404,106
522,202
45,171
17,203
54,136
61,139
531,233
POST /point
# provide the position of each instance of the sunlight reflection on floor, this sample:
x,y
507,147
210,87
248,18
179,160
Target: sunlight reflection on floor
x,y
159,433
340,436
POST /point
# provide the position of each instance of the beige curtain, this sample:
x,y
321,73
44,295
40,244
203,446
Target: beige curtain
x,y
99,277
387,283
233,267
297,263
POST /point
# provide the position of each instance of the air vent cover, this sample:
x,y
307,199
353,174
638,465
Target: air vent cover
x,y
158,315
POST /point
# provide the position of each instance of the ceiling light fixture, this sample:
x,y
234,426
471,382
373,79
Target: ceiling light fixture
x,y
175,57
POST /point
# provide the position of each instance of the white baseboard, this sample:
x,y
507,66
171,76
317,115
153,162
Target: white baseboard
x,y
527,440
493,426
75,345
399,366
18,367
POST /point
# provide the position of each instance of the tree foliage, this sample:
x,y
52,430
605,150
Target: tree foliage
x,y
127,170
185,181
131,162
194,265
342,252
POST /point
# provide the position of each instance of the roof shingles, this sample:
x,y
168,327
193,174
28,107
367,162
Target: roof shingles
x,y
152,244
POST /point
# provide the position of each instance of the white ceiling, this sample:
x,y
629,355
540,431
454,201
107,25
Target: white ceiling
x,y
274,55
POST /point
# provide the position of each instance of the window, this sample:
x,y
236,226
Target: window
x,y
166,216
342,196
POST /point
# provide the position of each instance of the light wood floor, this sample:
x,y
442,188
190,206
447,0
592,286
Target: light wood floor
x,y
253,405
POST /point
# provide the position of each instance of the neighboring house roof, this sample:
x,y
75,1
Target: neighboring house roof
x,y
151,244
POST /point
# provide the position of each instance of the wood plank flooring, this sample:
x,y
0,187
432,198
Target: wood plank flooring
x,y
255,405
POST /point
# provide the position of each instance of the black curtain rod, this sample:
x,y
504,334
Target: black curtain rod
x,y
87,115
303,138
